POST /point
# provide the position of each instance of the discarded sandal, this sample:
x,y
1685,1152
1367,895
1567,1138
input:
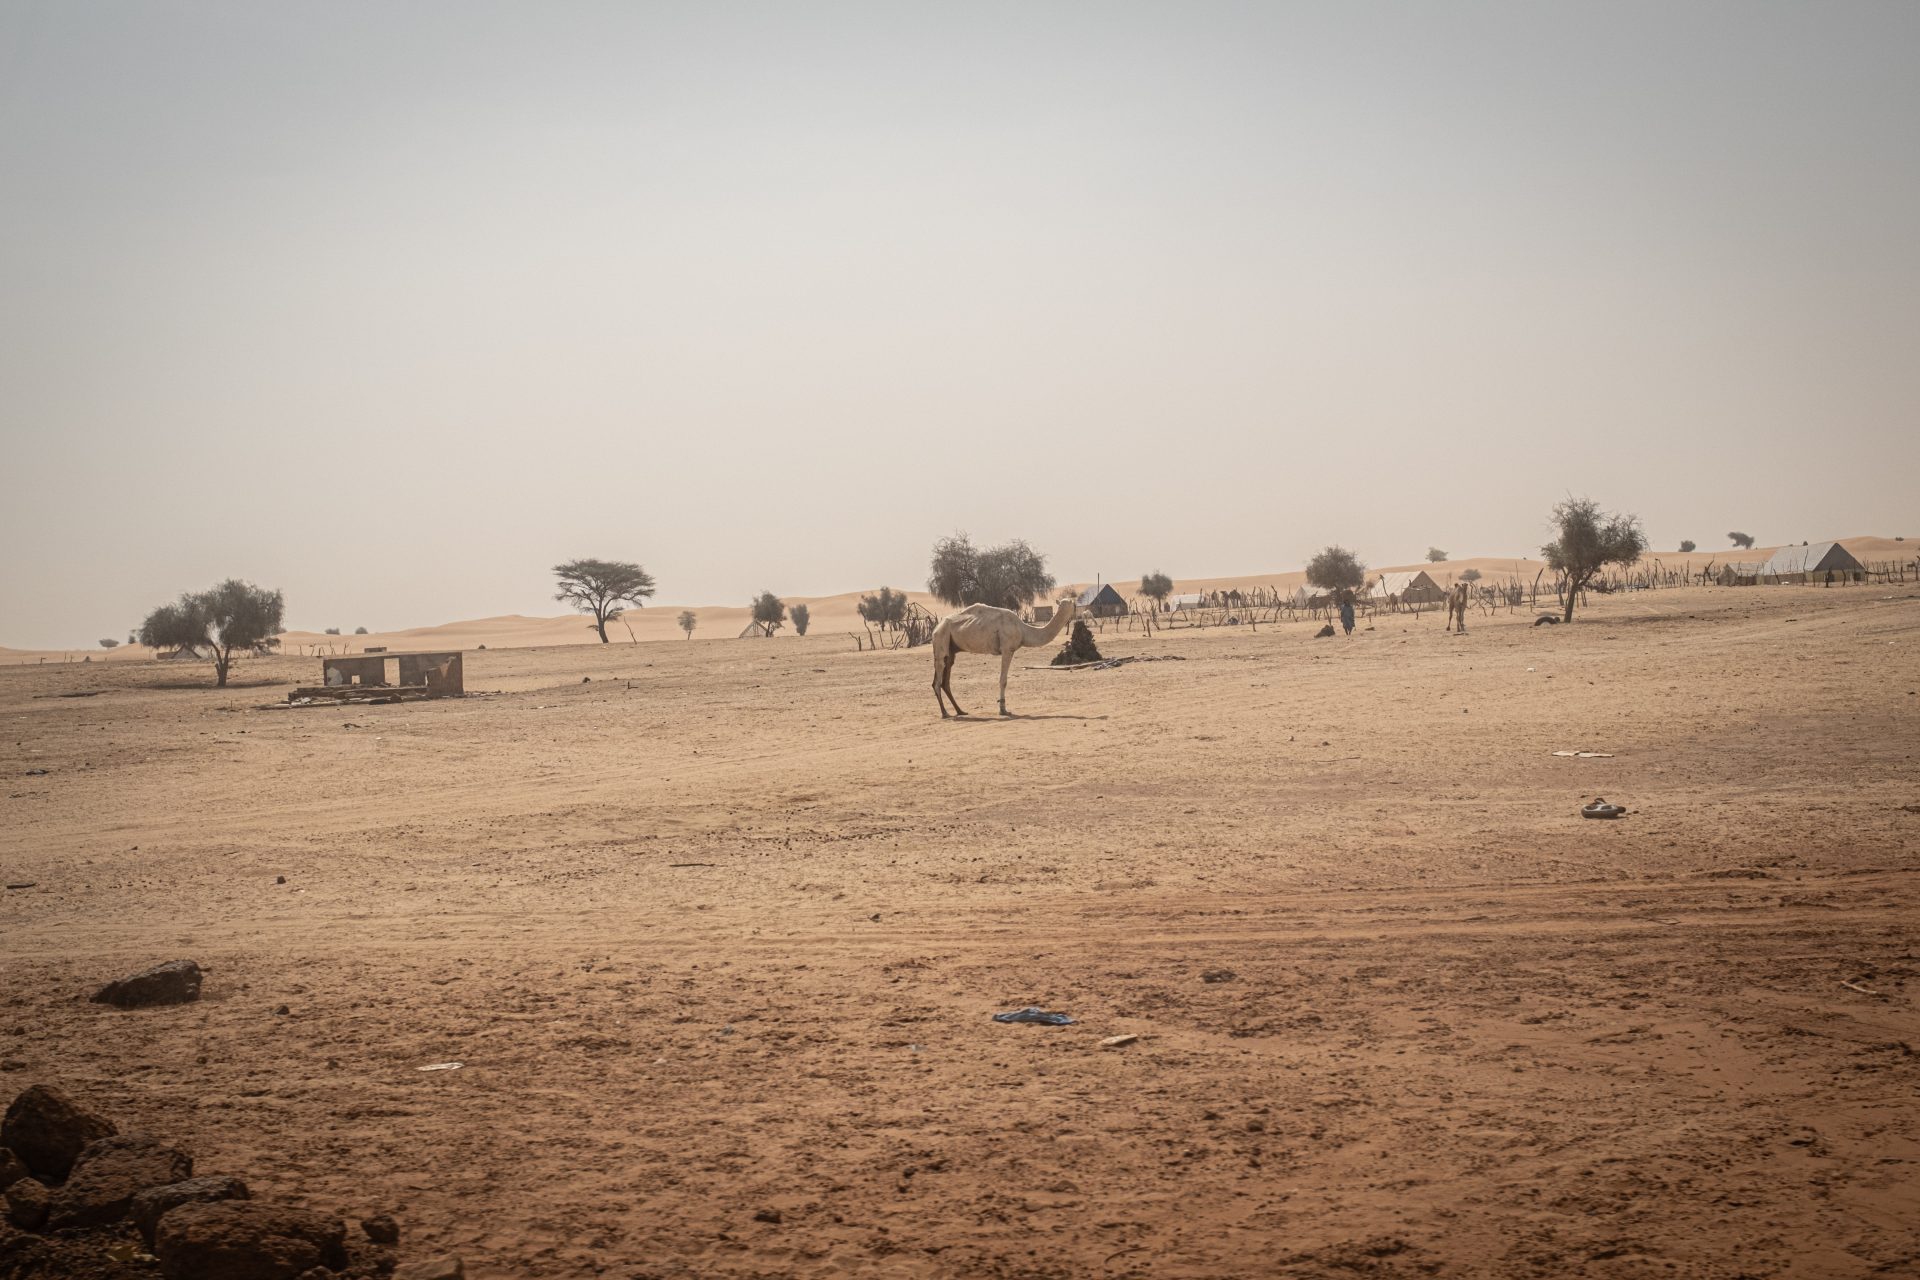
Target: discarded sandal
x,y
1033,1013
1601,809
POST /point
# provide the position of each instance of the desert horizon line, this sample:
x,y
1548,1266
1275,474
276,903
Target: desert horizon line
x,y
662,606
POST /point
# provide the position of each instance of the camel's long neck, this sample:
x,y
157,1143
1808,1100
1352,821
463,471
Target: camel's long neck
x,y
1033,637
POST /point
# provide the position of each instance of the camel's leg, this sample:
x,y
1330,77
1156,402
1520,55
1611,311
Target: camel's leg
x,y
940,661
1006,663
947,683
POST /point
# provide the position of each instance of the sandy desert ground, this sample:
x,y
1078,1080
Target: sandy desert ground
x,y
715,929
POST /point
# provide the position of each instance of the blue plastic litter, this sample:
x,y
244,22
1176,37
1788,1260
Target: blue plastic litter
x,y
1033,1013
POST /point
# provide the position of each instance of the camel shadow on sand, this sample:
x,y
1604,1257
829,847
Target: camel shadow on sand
x,y
997,718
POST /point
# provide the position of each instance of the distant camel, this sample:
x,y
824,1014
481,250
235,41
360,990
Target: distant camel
x,y
981,628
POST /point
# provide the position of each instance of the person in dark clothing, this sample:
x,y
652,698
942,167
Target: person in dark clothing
x,y
1346,612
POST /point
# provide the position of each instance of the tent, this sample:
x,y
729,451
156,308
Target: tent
x,y
1813,562
1408,587
185,653
1101,601
1187,600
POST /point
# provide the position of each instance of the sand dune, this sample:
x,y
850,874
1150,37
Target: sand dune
x,y
839,613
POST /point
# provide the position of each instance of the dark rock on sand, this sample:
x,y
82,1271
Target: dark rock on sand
x,y
27,1202
247,1240
12,1168
175,982
109,1174
154,1203
381,1229
48,1130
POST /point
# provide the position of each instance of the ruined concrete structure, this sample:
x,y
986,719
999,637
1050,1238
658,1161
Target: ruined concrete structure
x,y
420,675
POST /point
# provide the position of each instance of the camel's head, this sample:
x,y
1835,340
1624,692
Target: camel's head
x,y
1066,607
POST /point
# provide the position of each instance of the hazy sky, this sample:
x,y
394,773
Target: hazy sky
x,y
395,305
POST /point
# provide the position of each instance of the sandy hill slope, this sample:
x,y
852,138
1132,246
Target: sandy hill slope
x,y
839,613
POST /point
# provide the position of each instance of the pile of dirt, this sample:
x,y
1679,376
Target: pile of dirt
x,y
1079,647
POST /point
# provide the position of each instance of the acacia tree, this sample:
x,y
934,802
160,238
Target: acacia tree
x,y
769,612
1156,586
109,644
687,620
1006,576
602,588
1590,540
233,617
1687,545
885,608
1337,569
1469,575
1741,539
1435,555
801,617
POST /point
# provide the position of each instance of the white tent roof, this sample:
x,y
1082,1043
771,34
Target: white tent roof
x,y
1399,583
1815,557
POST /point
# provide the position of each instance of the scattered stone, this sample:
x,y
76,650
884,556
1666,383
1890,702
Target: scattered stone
x,y
247,1240
1546,620
1118,1042
381,1229
48,1130
175,982
23,1254
27,1204
12,1168
447,1268
107,1176
1218,975
769,1215
23,884
279,879
281,1010
154,1203
1323,632
372,1262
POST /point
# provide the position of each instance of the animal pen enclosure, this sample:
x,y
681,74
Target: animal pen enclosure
x,y
363,677
1820,564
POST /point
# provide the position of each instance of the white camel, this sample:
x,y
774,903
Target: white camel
x,y
981,628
